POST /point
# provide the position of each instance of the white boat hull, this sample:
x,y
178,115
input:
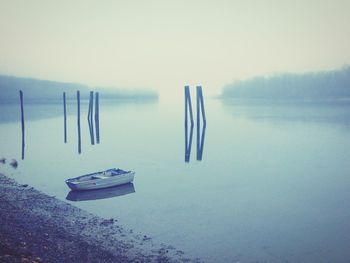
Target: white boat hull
x,y
98,181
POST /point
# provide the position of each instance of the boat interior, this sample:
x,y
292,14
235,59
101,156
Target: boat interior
x,y
99,175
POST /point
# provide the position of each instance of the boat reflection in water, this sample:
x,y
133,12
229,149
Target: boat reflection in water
x,y
101,193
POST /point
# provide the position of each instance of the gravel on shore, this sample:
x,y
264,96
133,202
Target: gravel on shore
x,y
35,227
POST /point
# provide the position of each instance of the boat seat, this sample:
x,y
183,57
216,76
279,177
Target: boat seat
x,y
100,177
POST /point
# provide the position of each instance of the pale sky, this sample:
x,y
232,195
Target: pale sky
x,y
164,44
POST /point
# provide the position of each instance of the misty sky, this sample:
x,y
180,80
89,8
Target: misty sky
x,y
166,44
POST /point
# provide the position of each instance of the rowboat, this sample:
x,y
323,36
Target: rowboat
x,y
103,193
103,179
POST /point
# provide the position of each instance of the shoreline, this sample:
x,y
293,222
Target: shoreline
x,y
35,227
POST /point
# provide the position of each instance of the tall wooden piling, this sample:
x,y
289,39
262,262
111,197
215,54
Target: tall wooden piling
x,y
78,121
91,104
22,121
186,90
197,104
65,117
201,100
97,118
188,105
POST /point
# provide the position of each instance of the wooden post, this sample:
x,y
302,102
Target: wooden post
x,y
22,121
91,104
197,104
65,117
97,120
78,121
202,104
188,105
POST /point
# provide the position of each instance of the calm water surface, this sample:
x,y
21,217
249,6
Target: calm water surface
x,y
272,186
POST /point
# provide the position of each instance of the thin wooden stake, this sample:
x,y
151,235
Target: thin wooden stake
x,y
202,104
188,105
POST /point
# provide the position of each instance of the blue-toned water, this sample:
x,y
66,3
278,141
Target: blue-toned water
x,y
272,184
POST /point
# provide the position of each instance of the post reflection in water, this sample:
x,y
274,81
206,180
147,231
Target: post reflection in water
x,y
22,147
188,142
91,130
200,140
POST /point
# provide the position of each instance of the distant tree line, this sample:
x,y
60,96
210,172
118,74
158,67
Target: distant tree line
x,y
324,85
50,91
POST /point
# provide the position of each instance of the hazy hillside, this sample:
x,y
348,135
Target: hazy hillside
x,y
323,85
45,90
